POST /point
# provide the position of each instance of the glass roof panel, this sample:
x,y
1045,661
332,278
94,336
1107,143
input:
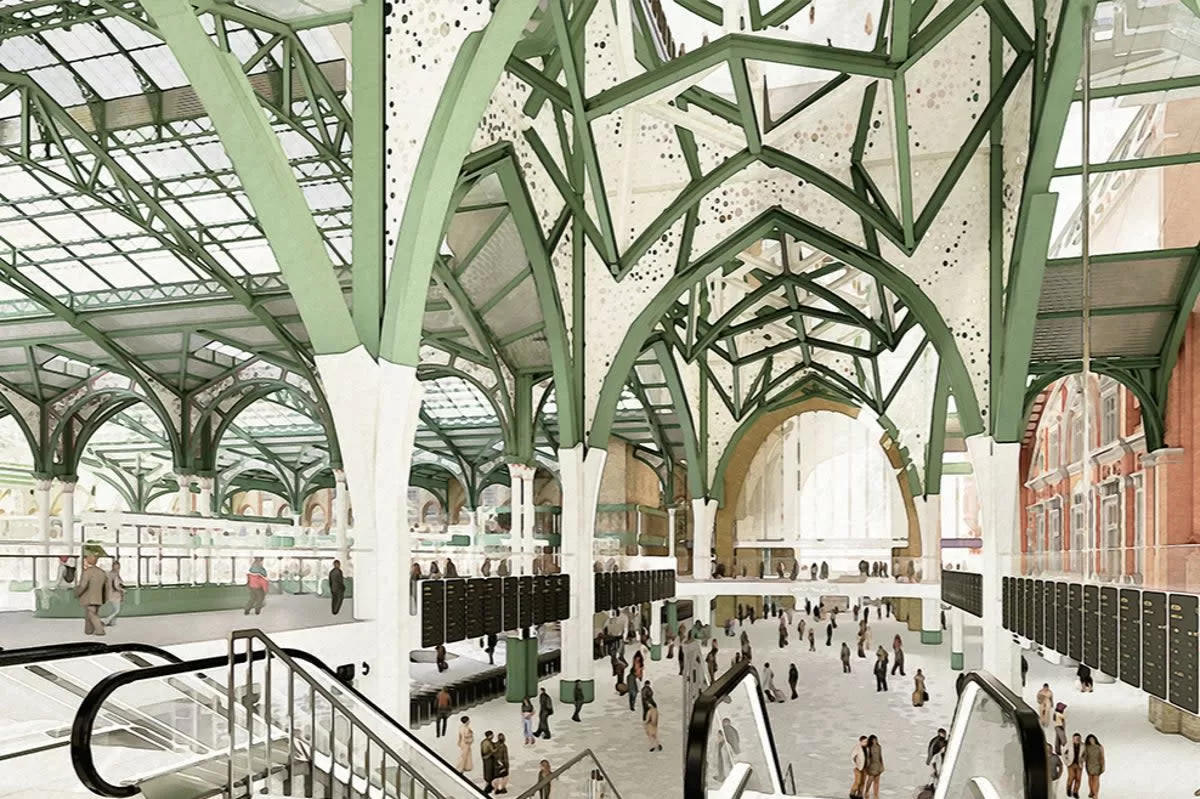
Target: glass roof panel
x,y
24,53
111,76
454,402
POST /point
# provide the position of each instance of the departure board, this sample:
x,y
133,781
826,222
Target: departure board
x,y
512,614
1030,609
1062,626
433,612
668,589
1110,625
603,590
493,604
1154,643
562,596
1018,606
1049,595
1006,602
1091,626
1039,612
525,601
456,609
539,594
1183,685
1131,636
1075,621
476,623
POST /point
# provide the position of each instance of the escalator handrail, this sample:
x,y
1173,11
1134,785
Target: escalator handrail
x,y
82,758
558,772
289,655
1029,729
50,652
695,773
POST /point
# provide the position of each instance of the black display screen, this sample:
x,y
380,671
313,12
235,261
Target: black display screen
x,y
1039,612
1075,621
1062,626
539,593
1020,608
1091,625
512,615
1110,636
433,612
1154,643
456,609
476,621
1006,603
525,603
562,597
493,604
1131,636
1030,609
1184,642
1049,595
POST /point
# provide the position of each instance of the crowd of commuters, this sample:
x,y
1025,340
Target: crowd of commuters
x,y
1079,756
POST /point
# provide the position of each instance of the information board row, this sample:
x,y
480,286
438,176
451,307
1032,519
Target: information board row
x,y
622,589
461,608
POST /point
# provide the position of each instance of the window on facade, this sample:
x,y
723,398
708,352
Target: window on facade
x,y
1139,526
1052,456
1075,434
1078,534
1056,541
1112,551
1039,538
1108,418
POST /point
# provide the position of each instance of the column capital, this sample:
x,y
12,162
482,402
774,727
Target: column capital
x,y
206,481
521,471
68,481
42,483
184,479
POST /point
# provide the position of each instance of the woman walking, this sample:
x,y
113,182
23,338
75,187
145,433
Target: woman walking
x,y
919,696
544,772
258,585
651,725
874,767
793,678
1093,764
466,739
1060,727
1045,703
500,770
527,722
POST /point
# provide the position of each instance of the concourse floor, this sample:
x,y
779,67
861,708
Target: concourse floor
x,y
816,732
281,612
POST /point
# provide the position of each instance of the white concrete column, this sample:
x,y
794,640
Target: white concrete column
x,y
183,499
41,496
375,408
671,512
581,470
521,508
931,620
67,496
656,626
206,496
702,610
929,511
956,639
704,519
341,515
996,468
638,530
528,518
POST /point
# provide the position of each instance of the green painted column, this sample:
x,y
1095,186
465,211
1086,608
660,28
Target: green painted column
x,y
673,617
520,666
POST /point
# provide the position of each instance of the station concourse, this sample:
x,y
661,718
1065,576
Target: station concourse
x,y
568,398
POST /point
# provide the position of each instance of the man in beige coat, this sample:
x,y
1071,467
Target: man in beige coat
x,y
91,590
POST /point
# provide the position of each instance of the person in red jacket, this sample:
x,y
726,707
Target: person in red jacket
x,y
256,581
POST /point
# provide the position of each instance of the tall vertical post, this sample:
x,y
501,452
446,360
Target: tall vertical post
x,y
341,515
671,512
520,534
704,519
581,470
41,497
996,467
206,495
528,518
67,496
956,639
1085,267
656,629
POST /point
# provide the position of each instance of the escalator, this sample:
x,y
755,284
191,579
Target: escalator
x,y
996,747
262,720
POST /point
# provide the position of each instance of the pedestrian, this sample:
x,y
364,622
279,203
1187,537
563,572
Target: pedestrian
x,y
741,615
1045,703
772,693
1060,727
1093,763
710,661
862,639
444,705
1056,765
650,721
1024,670
793,678
881,675
116,593
750,612
729,633
500,770
845,658
800,630
485,568
435,573
919,697
618,668
812,639
732,737
257,585
440,658
466,739
545,711
633,684
66,571
859,760
783,633
544,772
935,753
829,634
487,755
898,663
91,591
1085,679
807,606
1073,759
647,699
578,698
527,722
337,587
492,640
873,767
